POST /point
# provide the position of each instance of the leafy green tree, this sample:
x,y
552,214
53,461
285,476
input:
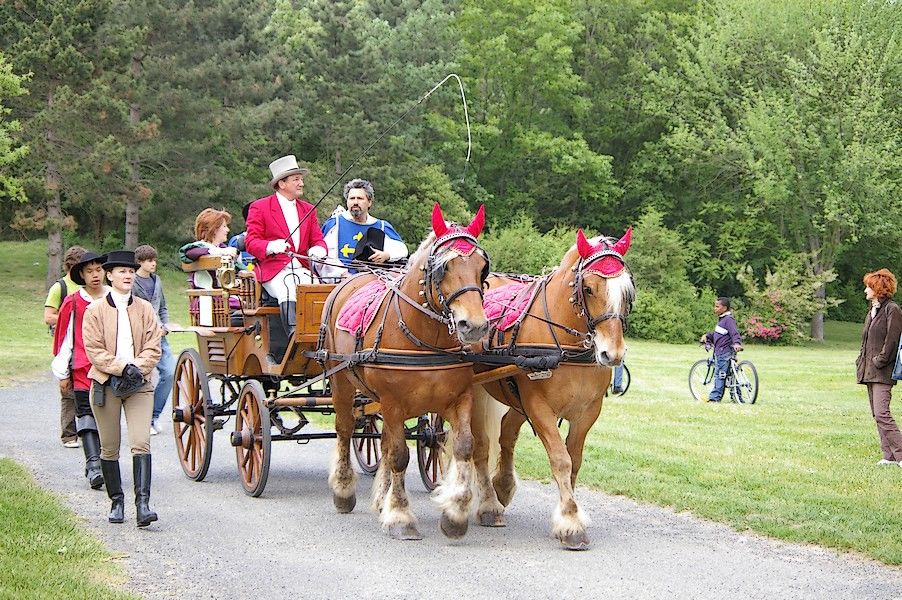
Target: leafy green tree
x,y
526,103
58,43
781,115
11,85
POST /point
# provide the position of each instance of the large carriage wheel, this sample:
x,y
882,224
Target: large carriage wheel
x,y
252,438
368,450
431,455
192,420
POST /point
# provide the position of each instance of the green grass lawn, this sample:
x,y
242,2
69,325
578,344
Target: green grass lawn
x,y
44,553
798,465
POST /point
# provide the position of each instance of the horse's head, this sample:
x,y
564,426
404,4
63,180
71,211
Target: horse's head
x,y
455,267
603,293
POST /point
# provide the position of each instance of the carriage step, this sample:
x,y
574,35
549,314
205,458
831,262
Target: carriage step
x,y
218,424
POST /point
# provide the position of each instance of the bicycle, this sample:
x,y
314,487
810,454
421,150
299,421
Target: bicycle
x,y
742,379
624,382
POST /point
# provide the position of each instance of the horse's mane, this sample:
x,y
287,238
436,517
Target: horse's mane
x,y
422,250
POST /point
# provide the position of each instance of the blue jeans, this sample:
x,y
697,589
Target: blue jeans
x,y
166,368
721,365
618,378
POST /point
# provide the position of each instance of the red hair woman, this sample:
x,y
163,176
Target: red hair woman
x,y
879,341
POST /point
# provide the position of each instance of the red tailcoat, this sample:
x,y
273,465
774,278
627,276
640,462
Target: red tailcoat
x,y
265,223
80,363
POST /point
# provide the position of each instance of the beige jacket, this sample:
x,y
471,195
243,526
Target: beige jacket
x,y
99,334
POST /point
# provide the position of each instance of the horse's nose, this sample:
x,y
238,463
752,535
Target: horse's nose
x,y
608,360
470,332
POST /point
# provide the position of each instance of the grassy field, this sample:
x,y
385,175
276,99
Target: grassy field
x,y
44,553
27,344
798,465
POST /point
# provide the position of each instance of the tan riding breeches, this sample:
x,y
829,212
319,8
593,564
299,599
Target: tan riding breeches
x,y
138,412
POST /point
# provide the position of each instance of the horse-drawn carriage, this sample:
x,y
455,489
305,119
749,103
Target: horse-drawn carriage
x,y
421,347
246,367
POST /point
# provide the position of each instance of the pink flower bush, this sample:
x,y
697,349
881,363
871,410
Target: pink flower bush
x,y
764,330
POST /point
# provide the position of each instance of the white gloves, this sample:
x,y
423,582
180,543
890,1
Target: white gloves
x,y
276,247
316,252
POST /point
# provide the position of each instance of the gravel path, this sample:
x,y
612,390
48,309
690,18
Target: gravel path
x,y
212,541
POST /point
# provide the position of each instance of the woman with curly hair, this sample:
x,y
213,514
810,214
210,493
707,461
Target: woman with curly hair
x,y
879,341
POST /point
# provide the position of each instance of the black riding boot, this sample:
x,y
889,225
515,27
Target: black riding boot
x,y
113,481
141,470
90,443
289,317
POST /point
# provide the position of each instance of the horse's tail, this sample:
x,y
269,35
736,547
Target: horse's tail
x,y
487,414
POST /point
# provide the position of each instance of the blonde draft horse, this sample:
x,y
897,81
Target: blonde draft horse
x,y
426,316
582,312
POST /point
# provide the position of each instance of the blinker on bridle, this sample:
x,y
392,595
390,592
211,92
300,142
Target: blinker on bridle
x,y
434,272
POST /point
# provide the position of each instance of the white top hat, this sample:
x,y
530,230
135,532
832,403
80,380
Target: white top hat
x,y
283,167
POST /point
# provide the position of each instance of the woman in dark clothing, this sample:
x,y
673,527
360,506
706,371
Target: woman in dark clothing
x,y
879,341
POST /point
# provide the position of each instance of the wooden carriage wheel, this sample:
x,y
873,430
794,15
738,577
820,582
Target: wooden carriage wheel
x,y
192,421
368,451
431,456
252,438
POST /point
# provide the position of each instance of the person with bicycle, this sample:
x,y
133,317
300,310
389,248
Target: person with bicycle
x,y
726,341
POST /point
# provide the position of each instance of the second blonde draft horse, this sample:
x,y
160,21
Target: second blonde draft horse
x,y
577,312
411,361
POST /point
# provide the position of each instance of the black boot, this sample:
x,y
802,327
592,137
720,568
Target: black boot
x,y
141,469
113,481
90,443
289,317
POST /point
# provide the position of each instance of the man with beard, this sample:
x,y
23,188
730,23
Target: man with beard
x,y
345,229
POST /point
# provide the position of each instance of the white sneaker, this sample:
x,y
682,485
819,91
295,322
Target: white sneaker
x,y
71,444
154,427
884,461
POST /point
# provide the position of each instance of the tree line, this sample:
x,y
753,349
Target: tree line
x,y
753,133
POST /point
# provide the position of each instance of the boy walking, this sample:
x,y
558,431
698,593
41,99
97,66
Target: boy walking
x,y
150,287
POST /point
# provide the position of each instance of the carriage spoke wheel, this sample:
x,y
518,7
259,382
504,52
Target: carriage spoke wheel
x,y
368,450
252,438
432,458
192,420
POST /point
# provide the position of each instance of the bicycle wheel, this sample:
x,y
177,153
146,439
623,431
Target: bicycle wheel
x,y
746,383
624,382
701,380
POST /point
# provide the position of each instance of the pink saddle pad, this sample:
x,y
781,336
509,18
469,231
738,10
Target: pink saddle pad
x,y
504,305
357,314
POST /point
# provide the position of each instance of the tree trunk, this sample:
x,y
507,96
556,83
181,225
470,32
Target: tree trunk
x,y
133,197
54,214
817,320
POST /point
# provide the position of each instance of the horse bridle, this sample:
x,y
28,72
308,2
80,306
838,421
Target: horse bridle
x,y
434,272
579,298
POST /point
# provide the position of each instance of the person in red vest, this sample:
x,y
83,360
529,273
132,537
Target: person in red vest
x,y
282,223
70,362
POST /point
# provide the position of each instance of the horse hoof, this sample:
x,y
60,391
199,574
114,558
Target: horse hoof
x,y
451,529
504,488
492,519
576,541
344,505
404,532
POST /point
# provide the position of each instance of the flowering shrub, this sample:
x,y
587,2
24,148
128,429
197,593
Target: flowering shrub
x,y
779,312
765,330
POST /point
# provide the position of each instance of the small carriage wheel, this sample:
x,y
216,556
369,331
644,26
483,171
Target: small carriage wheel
x,y
192,419
367,450
252,437
431,455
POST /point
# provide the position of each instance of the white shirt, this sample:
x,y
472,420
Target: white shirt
x,y
125,345
290,212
